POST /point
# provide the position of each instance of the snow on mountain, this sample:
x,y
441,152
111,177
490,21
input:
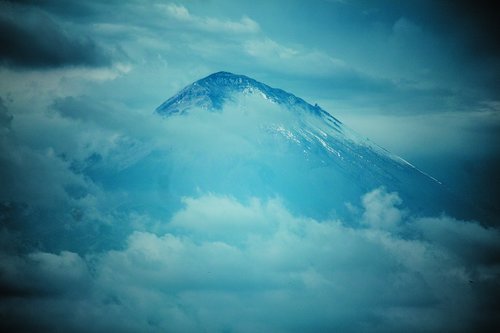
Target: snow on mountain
x,y
292,143
214,90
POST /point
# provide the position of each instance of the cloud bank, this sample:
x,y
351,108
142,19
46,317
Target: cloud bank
x,y
112,231
253,266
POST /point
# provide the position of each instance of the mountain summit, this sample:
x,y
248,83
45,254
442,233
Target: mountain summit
x,y
259,141
214,90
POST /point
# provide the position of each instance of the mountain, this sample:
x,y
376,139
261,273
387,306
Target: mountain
x,y
214,90
288,149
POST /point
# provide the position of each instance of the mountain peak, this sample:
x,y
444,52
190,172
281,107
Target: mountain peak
x,y
213,91
223,74
227,80
310,140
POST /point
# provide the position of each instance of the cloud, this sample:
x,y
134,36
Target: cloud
x,y
226,217
380,209
43,274
5,116
284,273
266,48
405,28
68,8
32,39
474,25
278,57
322,272
180,13
471,133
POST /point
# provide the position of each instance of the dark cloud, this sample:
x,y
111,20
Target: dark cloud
x,y
5,116
31,38
80,108
470,30
460,36
475,23
62,8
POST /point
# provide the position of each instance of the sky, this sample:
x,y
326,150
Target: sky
x,y
420,78
83,229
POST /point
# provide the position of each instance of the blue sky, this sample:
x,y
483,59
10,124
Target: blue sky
x,y
93,238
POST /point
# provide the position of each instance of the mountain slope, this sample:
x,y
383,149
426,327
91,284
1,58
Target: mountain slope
x,y
285,144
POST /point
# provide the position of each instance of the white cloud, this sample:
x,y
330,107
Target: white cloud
x,y
269,48
404,27
471,133
244,25
179,12
278,57
39,87
213,270
380,209
222,218
336,275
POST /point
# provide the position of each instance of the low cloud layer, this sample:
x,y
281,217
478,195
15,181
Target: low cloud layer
x,y
254,266
116,230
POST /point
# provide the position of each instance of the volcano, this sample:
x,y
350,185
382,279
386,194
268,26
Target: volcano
x,y
250,139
